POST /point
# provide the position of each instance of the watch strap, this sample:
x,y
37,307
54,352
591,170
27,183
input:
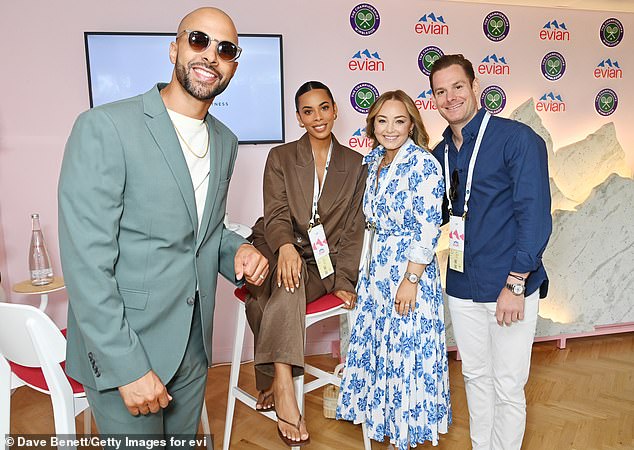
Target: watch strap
x,y
511,287
410,275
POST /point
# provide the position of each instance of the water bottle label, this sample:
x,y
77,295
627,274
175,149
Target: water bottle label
x,y
41,273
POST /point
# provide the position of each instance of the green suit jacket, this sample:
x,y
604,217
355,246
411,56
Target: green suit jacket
x,y
132,255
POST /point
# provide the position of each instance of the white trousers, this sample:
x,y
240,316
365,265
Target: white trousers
x,y
495,365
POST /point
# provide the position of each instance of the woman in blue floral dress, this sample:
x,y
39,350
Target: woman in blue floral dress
x,y
396,375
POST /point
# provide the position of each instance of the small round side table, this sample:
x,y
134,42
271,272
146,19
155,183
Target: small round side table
x,y
25,287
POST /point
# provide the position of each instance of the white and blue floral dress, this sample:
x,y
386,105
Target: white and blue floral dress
x,y
396,373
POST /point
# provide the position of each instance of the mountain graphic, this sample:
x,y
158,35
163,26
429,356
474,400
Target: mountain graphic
x,y
608,62
359,132
495,58
551,96
367,54
432,17
425,94
555,24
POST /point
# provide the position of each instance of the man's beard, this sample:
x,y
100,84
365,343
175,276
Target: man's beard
x,y
200,91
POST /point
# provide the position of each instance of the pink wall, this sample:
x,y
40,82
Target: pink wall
x,y
45,88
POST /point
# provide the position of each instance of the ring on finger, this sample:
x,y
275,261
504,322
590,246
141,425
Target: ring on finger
x,y
261,277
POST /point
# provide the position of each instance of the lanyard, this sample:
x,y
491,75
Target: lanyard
x,y
474,155
317,189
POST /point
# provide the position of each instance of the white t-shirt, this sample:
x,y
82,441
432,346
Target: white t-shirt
x,y
195,135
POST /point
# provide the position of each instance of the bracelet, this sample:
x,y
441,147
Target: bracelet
x,y
517,277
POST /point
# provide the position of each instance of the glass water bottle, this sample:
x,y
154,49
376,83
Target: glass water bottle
x,y
39,262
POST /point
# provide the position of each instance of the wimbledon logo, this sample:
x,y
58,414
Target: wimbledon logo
x,y
496,26
611,32
606,102
427,57
553,66
362,96
493,98
364,19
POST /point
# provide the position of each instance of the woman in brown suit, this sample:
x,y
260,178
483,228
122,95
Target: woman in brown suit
x,y
307,183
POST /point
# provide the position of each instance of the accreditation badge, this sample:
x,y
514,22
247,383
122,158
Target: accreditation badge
x,y
456,243
321,251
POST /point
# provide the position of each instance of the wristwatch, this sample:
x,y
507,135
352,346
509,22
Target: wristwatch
x,y
516,289
412,277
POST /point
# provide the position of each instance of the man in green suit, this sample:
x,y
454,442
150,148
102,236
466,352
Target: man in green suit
x,y
142,197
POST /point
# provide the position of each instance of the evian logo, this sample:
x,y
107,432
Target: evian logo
x,y
494,65
554,31
360,140
364,61
608,69
424,101
431,24
550,103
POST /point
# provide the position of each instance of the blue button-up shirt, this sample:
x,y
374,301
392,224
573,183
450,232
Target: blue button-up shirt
x,y
508,223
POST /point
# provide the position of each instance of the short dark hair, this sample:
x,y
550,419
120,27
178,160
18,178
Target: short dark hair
x,y
449,60
309,86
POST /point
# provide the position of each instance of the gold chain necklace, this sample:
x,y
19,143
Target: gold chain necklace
x,y
187,144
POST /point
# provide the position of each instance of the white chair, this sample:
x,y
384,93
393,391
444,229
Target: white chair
x,y
324,307
33,353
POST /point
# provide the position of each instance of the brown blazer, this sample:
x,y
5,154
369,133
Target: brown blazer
x,y
289,177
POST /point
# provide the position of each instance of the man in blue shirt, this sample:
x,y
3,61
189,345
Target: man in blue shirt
x,y
498,203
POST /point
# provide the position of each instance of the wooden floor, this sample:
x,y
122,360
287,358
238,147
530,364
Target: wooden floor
x,y
581,397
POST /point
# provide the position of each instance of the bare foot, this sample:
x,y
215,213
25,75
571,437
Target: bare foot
x,y
266,400
286,408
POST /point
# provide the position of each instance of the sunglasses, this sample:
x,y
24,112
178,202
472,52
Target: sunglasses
x,y
453,186
199,42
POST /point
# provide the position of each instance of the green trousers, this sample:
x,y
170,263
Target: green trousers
x,y
176,422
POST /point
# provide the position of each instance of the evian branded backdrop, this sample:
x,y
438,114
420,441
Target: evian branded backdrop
x,y
567,73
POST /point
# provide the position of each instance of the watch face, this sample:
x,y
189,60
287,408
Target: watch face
x,y
518,289
413,278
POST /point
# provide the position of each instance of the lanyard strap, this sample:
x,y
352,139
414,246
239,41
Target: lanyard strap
x,y
317,189
474,155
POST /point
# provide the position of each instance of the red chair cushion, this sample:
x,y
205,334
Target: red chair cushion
x,y
35,377
323,303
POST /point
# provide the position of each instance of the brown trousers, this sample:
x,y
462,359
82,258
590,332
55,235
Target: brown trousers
x,y
277,318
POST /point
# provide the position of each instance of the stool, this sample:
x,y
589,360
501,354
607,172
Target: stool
x,y
328,305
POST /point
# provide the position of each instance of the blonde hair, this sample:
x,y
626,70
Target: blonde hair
x,y
419,134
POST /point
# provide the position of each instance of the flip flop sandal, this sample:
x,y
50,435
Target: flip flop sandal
x,y
290,442
264,398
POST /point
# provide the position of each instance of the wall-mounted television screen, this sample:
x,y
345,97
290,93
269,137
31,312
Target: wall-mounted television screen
x,y
122,65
